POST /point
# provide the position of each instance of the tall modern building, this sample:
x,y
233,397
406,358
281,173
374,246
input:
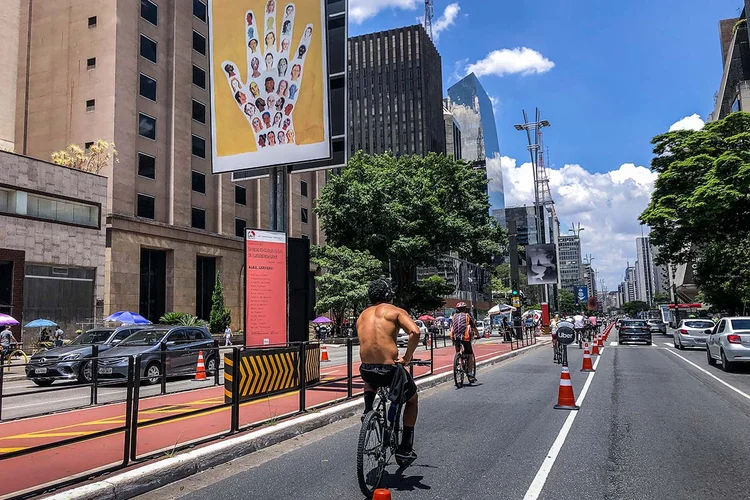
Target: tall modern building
x,y
525,220
452,133
136,73
734,90
472,108
629,294
589,279
645,267
569,262
396,93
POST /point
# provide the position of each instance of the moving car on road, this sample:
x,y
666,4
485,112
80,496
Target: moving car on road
x,y
729,342
692,333
181,343
73,361
657,326
634,330
402,339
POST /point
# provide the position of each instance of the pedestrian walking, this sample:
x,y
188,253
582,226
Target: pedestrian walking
x,y
227,337
6,340
59,337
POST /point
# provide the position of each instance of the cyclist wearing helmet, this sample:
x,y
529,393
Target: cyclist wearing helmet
x,y
463,330
377,329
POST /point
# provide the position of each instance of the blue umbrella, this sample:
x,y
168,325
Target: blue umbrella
x,y
40,323
128,318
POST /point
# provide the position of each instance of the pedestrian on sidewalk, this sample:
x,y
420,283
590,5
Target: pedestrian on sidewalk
x,y
59,337
6,340
228,337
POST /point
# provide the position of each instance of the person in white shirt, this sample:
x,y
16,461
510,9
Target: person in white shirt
x,y
227,337
579,322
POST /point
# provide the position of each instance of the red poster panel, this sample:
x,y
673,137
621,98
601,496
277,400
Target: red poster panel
x,y
265,288
545,314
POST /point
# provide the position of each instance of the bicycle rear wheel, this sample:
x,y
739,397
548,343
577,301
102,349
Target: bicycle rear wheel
x,y
458,370
371,453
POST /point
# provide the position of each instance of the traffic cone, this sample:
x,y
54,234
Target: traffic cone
x,y
588,366
324,353
200,371
381,494
600,339
595,349
566,400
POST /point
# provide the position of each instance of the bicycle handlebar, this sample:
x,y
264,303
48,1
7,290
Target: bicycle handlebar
x,y
419,362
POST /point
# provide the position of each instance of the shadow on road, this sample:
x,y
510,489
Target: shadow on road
x,y
399,482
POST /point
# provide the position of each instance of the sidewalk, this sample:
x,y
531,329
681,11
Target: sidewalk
x,y
13,373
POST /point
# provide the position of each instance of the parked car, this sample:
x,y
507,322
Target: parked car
x,y
729,342
181,343
480,330
73,361
634,330
422,330
692,333
657,326
402,339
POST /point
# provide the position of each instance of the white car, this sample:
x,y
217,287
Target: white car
x,y
402,340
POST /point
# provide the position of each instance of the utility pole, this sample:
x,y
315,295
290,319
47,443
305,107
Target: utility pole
x,y
513,251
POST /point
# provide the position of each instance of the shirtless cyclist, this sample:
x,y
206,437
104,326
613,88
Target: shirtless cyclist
x,y
377,329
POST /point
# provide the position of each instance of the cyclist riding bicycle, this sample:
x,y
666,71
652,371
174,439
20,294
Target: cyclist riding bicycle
x,y
579,323
377,329
463,330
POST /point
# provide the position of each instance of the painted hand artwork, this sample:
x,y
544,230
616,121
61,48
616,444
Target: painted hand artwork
x,y
268,94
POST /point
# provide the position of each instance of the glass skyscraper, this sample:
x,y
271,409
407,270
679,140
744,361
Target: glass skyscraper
x,y
472,108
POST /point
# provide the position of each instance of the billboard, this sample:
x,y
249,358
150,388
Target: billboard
x,y
581,295
269,83
265,288
541,262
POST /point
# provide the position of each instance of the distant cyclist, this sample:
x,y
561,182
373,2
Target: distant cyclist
x,y
579,323
463,330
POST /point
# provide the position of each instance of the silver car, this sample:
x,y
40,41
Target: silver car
x,y
729,342
692,333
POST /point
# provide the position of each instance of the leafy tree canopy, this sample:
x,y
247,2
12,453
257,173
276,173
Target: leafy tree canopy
x,y
634,307
567,301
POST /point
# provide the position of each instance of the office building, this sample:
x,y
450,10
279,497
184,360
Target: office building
x,y
10,21
472,107
734,89
396,93
452,133
645,270
525,219
629,292
569,262
589,279
136,73
470,282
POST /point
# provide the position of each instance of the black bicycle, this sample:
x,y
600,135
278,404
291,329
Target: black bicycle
x,y
461,363
378,439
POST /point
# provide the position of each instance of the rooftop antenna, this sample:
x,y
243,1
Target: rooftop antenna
x,y
429,12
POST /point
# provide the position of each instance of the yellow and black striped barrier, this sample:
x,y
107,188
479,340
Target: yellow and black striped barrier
x,y
266,372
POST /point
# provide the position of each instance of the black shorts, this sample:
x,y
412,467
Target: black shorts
x,y
378,376
467,346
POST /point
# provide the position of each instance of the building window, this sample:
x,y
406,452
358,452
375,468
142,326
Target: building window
x,y
147,87
146,166
91,63
199,10
199,182
150,12
198,218
147,126
205,281
153,284
199,77
146,206
306,237
92,22
199,43
90,105
148,48
199,111
303,188
239,227
303,214
88,145
240,195
53,209
199,146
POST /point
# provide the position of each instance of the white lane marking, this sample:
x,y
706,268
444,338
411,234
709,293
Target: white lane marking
x,y
613,343
541,476
730,386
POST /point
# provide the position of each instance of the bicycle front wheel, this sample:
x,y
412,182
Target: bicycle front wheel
x,y
458,370
371,459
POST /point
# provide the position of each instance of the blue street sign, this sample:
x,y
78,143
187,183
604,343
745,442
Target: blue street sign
x,y
582,295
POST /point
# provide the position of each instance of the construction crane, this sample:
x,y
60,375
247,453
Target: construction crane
x,y
429,12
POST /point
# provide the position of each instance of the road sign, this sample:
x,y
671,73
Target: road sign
x,y
565,335
516,301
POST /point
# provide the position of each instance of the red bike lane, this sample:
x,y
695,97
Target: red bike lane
x,y
54,465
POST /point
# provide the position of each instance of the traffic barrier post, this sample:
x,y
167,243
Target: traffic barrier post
x,y
432,352
2,370
136,400
163,360
94,374
235,424
128,411
302,373
349,367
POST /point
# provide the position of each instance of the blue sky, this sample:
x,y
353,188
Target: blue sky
x,y
607,75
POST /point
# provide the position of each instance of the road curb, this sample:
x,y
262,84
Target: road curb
x,y
13,378
155,475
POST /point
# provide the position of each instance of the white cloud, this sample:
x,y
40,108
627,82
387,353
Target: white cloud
x,y
606,204
692,122
503,62
495,103
446,20
361,10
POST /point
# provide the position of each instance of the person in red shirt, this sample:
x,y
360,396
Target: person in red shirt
x,y
463,330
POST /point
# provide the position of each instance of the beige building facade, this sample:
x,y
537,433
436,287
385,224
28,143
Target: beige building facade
x,y
136,73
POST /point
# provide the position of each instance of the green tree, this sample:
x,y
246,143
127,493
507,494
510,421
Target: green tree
x,y
661,298
428,295
407,212
220,317
699,210
346,277
566,301
634,307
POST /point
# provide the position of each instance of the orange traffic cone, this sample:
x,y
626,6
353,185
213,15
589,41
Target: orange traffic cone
x,y
600,339
588,366
381,494
200,371
595,349
324,353
566,400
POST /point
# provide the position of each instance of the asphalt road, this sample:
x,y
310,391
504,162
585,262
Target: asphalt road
x,y
651,426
